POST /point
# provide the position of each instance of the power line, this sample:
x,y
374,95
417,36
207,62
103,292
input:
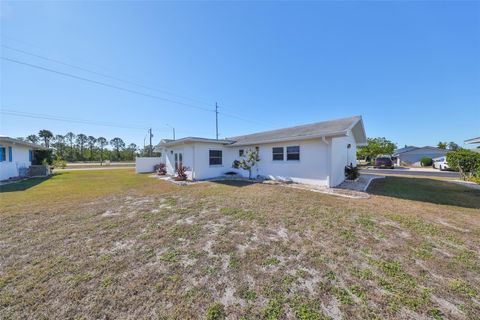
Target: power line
x,y
76,120
66,74
66,119
234,116
101,74
123,89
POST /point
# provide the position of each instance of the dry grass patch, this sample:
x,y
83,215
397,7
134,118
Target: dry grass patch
x,y
136,247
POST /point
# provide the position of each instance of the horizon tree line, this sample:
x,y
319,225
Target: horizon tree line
x,y
81,147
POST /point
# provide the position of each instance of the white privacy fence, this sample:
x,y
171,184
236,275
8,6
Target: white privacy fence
x,y
144,164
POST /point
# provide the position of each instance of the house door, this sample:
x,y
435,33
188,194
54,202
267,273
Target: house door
x,y
178,160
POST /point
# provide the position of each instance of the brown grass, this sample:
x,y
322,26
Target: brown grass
x,y
112,244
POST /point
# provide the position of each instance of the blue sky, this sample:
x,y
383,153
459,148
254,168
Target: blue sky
x,y
411,69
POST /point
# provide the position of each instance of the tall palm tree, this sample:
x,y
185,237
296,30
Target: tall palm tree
x,y
47,136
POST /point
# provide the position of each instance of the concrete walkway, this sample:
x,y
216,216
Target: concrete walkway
x,y
361,184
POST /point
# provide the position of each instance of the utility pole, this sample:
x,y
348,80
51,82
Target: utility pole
x,y
151,135
173,130
216,118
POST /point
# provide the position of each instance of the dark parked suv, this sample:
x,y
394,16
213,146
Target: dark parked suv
x,y
383,162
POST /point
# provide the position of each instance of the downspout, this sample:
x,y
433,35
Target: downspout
x,y
193,163
329,161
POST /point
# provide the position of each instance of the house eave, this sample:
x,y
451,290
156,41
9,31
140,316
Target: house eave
x,y
286,139
472,141
16,142
188,141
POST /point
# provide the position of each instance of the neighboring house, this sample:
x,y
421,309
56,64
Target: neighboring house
x,y
314,153
412,155
15,157
473,141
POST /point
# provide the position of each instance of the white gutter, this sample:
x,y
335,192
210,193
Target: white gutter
x,y
294,138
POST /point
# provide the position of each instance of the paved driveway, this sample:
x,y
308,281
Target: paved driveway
x,y
413,172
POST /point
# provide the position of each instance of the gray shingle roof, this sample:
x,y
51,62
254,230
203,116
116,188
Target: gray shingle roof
x,y
338,127
14,141
472,141
319,129
170,142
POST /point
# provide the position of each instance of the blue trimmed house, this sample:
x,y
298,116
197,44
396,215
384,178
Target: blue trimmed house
x,y
15,157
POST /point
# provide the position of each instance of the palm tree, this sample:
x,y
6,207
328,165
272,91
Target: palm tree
x,y
118,144
32,138
91,140
47,136
102,142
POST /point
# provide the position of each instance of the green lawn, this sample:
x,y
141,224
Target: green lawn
x,y
112,244
426,190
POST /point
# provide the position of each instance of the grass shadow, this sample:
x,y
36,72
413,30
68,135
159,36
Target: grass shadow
x,y
23,185
234,183
426,190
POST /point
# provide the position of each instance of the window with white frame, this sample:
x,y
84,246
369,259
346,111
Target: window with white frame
x,y
215,157
277,153
293,153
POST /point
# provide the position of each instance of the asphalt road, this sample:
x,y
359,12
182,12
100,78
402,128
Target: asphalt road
x,y
406,172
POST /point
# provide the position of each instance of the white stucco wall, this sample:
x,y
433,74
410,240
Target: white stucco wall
x,y
146,164
341,156
20,159
196,159
314,166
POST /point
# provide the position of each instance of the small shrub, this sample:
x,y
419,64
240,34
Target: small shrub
x,y
215,311
59,163
426,162
351,172
160,169
181,173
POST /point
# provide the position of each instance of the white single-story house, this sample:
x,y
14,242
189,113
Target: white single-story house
x,y
412,155
15,157
313,154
